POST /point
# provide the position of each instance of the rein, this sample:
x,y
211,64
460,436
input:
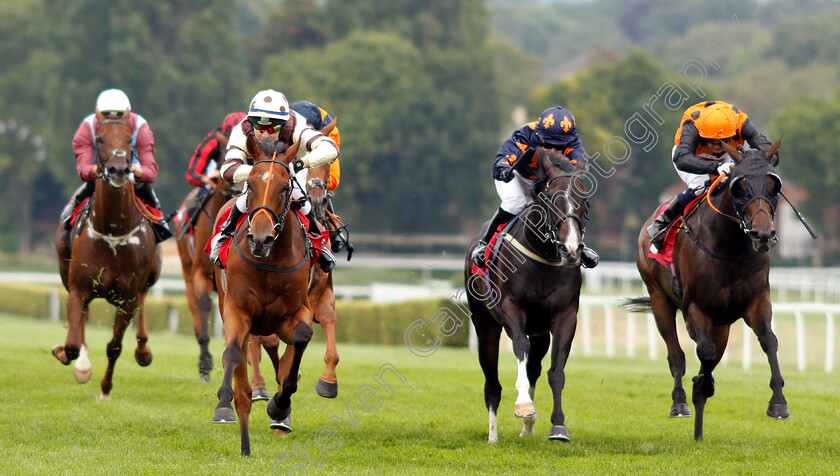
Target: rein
x,y
266,267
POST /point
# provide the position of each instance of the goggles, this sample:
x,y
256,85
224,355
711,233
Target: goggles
x,y
266,129
113,114
717,141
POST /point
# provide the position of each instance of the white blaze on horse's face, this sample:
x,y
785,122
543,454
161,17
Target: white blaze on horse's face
x,y
573,236
264,177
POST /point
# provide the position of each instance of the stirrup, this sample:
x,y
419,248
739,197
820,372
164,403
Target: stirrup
x,y
478,254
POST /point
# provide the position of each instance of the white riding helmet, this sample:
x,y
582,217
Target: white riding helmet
x,y
269,108
112,100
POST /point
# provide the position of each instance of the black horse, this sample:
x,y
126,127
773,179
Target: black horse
x,y
532,289
721,267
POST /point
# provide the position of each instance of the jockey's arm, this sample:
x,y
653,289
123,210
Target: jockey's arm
x,y
321,149
684,155
146,155
234,169
83,150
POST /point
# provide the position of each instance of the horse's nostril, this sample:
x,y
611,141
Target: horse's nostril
x,y
269,240
250,239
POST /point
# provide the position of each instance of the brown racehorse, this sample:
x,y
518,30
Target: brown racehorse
x,y
722,267
264,289
533,292
196,267
113,256
321,297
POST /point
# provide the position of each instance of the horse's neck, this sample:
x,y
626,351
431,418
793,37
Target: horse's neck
x,y
288,236
113,211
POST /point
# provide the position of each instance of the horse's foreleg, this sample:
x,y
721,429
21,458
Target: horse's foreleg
x,y
488,333
327,385
778,407
114,348
237,324
77,305
562,333
513,317
280,406
539,347
242,398
143,353
200,294
665,315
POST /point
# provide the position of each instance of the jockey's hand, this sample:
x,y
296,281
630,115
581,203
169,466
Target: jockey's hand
x,y
724,168
506,175
298,165
137,171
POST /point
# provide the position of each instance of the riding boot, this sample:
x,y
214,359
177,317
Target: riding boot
x,y
326,260
227,230
589,258
656,230
66,219
500,217
147,194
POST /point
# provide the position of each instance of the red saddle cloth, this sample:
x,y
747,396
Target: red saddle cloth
x,y
666,254
488,252
317,241
76,211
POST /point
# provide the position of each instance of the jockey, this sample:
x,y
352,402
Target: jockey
x,y
698,154
514,178
114,105
270,119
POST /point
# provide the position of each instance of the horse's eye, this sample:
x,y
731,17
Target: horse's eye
x,y
100,140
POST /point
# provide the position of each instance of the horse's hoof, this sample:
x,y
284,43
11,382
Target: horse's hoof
x,y
224,415
82,376
326,389
144,359
523,410
204,378
680,410
778,411
55,352
284,425
559,433
260,394
275,413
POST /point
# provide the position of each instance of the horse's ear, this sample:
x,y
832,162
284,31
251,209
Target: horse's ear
x,y
251,146
326,130
771,151
733,152
99,116
291,152
222,140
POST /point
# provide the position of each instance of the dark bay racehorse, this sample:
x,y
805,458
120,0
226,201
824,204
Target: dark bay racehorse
x,y
722,267
321,298
533,292
196,267
113,256
264,289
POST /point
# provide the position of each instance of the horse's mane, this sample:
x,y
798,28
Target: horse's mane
x,y
271,147
557,159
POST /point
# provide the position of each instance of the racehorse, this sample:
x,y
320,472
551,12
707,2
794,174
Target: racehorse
x,y
532,290
196,267
113,255
264,289
321,297
721,270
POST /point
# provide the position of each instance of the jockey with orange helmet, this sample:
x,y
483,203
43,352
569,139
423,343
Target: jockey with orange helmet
x,y
270,120
515,169
114,105
698,154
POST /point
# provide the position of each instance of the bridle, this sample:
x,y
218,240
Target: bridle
x,y
104,174
550,233
278,220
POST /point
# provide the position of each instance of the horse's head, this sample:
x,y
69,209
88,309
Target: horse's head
x,y
269,196
316,182
560,194
113,149
754,192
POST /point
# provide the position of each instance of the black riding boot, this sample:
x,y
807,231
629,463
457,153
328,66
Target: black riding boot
x,y
84,191
327,260
228,228
500,217
147,194
656,230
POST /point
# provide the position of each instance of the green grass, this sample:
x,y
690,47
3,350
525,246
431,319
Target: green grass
x,y
158,418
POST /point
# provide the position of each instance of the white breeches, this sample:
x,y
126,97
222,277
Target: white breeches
x,y
514,193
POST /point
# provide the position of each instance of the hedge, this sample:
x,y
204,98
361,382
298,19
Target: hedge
x,y
361,322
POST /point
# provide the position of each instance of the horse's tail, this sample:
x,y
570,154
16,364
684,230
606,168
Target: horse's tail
x,y
637,304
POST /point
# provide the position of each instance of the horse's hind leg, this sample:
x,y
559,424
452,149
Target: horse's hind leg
x,y
202,287
665,315
562,332
488,334
711,343
327,385
539,347
778,407
258,390
242,399
143,353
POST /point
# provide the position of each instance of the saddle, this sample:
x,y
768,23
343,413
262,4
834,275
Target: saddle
x,y
665,257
